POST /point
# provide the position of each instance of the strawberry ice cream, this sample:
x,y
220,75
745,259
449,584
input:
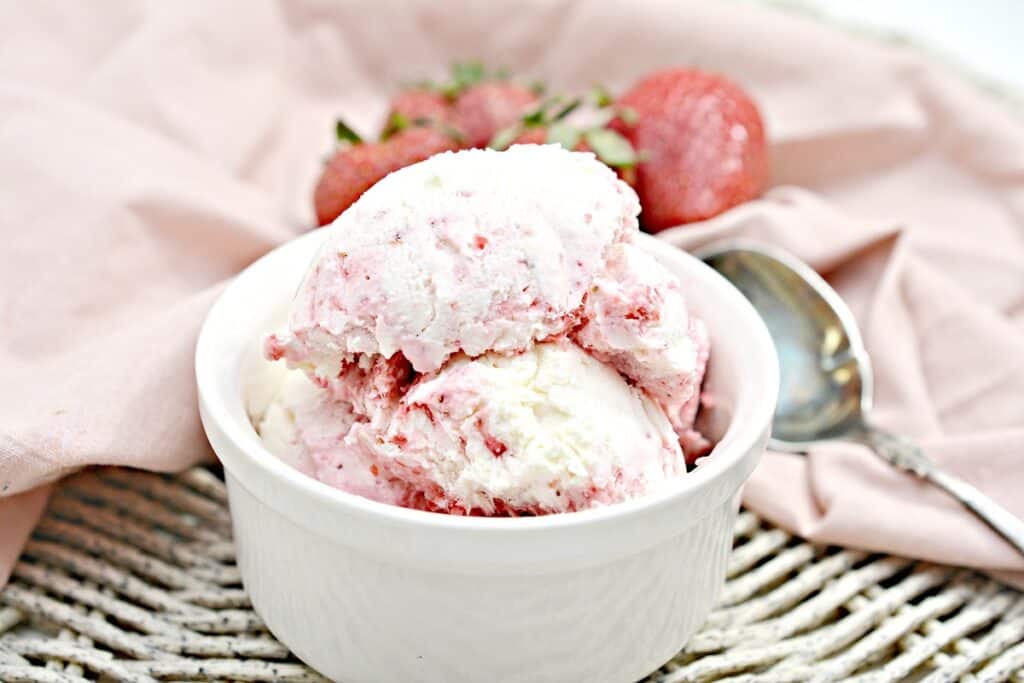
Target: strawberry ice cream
x,y
474,251
523,433
478,335
635,319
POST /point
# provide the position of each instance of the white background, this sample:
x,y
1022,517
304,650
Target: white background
x,y
985,36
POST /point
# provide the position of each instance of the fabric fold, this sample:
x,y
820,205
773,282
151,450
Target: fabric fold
x,y
946,375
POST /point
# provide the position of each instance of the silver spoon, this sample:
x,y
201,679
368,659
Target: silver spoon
x,y
826,381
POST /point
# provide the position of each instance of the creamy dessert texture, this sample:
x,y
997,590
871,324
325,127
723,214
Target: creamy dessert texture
x,y
479,335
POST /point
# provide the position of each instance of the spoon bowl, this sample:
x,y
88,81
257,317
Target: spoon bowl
x,y
826,382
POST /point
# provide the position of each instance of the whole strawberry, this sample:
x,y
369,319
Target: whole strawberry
x,y
701,143
355,167
483,109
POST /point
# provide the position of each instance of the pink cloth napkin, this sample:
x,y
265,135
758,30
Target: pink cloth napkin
x,y
150,152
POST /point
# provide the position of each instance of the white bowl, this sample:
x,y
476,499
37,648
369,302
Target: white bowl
x,y
364,591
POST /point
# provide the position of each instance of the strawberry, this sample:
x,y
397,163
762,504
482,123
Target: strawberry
x,y
416,106
475,101
701,144
483,109
354,168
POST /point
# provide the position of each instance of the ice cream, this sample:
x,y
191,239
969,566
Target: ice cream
x,y
635,319
551,429
473,251
479,335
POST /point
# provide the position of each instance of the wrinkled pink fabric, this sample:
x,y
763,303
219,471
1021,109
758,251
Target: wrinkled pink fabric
x,y
151,151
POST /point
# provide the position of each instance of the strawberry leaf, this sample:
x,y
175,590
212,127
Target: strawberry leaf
x,y
465,74
571,106
450,91
344,133
537,116
602,117
628,115
563,134
601,97
396,122
610,147
505,137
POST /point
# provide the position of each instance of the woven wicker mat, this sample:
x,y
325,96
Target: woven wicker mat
x,y
131,577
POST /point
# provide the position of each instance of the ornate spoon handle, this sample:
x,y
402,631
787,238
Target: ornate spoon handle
x,y
904,454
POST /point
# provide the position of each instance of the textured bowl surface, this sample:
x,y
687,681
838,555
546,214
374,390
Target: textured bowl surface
x,y
365,592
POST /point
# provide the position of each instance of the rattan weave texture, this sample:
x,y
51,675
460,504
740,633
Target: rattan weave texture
x,y
131,577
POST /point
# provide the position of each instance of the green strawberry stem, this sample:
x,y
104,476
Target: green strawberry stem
x,y
344,133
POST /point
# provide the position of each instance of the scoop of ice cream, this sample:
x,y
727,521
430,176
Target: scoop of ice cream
x,y
551,429
480,335
548,430
472,251
635,319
